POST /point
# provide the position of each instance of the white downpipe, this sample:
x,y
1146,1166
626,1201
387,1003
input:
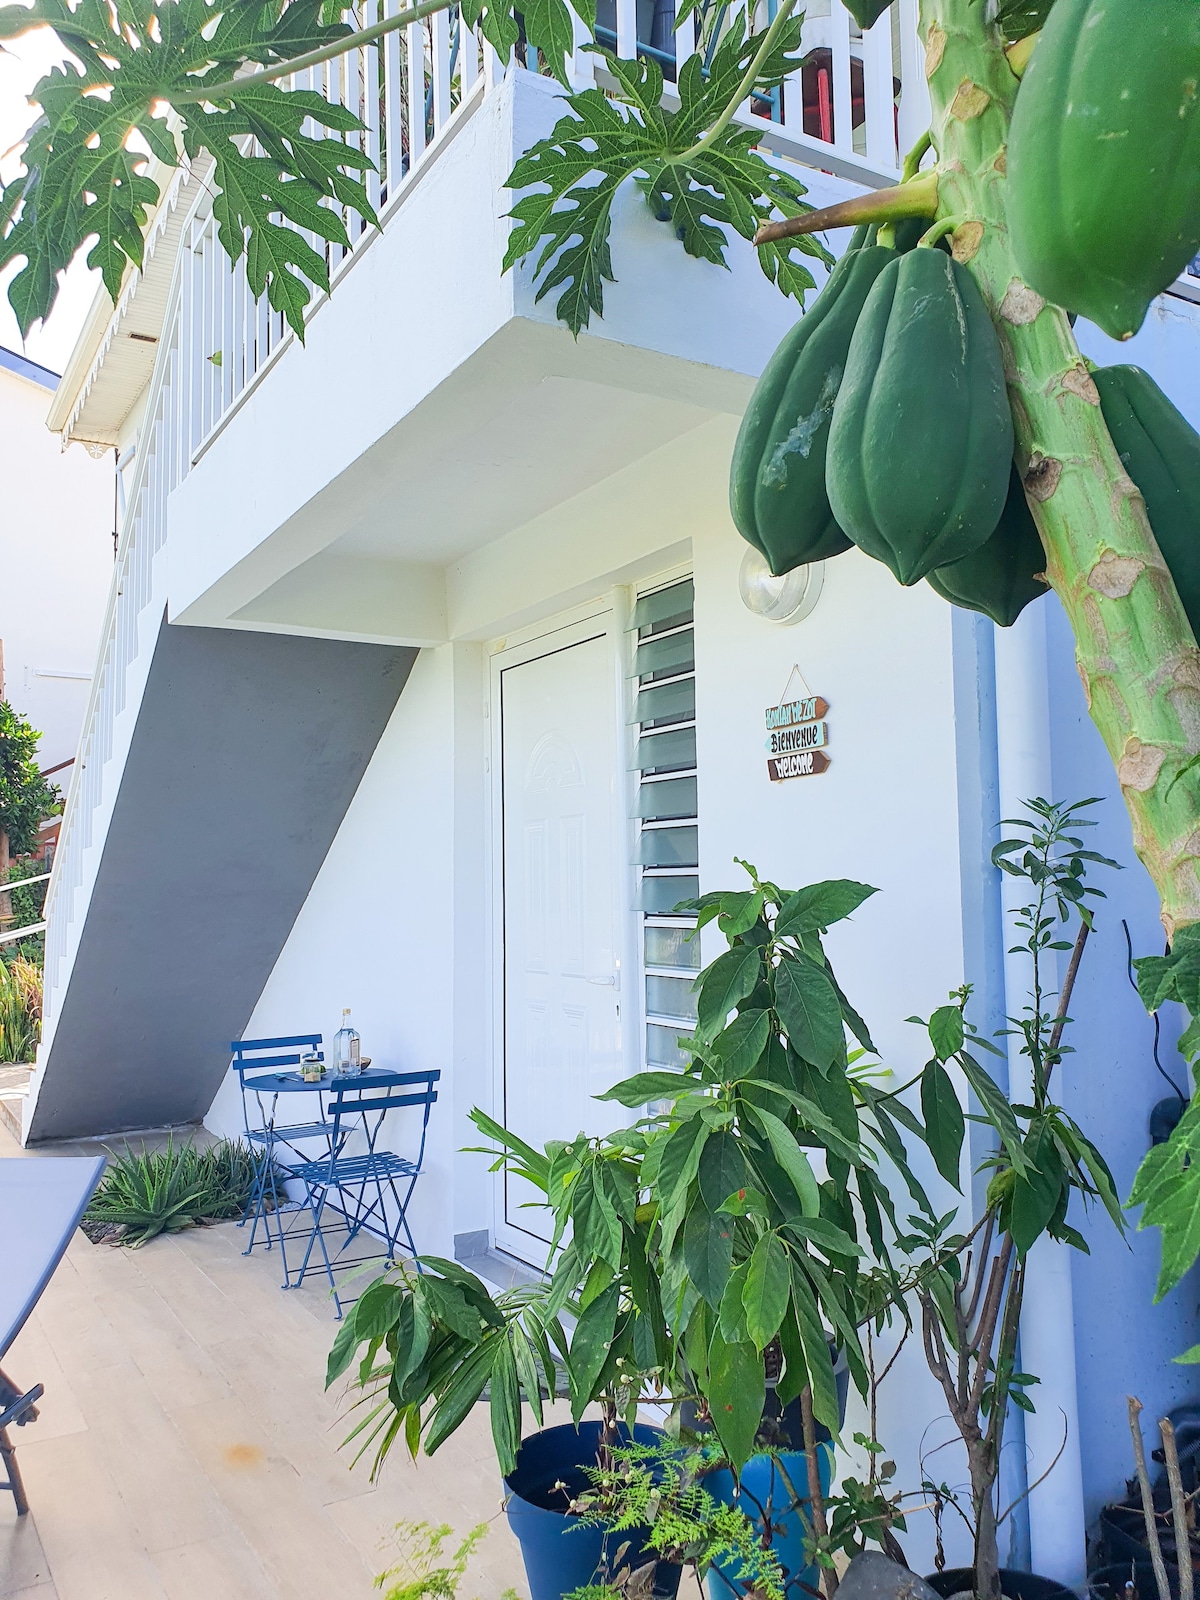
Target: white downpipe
x,y
1056,1513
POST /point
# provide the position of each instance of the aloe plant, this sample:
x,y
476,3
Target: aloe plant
x,y
145,1193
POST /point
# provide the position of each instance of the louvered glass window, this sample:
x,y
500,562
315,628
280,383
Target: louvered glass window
x,y
667,848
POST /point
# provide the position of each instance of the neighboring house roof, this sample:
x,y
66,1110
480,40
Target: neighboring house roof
x,y
115,353
24,368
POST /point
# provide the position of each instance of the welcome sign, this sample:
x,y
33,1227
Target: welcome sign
x,y
797,735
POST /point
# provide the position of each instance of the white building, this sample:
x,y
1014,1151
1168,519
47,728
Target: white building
x,y
365,730
56,549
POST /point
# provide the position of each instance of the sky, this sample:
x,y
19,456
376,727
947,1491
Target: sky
x,y
22,63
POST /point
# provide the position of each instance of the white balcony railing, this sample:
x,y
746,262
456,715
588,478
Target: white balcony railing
x,y
855,105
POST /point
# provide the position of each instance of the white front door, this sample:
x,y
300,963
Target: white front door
x,y
561,889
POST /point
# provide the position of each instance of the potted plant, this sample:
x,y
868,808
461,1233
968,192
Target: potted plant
x,y
971,1294
717,1254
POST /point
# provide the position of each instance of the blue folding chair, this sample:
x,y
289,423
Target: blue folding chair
x,y
273,1143
356,1188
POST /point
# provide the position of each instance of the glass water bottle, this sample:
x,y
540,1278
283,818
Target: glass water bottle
x,y
347,1048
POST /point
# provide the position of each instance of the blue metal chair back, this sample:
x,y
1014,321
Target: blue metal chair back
x,y
367,1103
266,1055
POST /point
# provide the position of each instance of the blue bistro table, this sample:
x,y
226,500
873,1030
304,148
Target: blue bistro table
x,y
41,1201
359,1101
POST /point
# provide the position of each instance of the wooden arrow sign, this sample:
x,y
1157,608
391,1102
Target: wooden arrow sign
x,y
810,709
800,764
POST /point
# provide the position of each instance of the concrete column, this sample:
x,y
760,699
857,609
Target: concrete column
x,y
1056,1511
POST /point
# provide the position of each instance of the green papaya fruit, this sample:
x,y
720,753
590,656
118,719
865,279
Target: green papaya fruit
x,y
1160,451
921,439
1004,574
777,476
1104,157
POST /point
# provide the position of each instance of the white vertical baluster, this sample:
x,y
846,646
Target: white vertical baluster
x,y
914,95
231,330
187,274
685,35
581,67
372,66
207,247
415,35
440,66
878,92
493,66
468,56
627,29
243,335
839,30
395,101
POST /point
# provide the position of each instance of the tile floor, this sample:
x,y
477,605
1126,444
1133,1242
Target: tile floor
x,y
186,1450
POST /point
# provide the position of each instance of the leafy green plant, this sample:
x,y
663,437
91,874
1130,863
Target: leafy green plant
x,y
740,1220
26,797
658,1490
971,1300
421,1572
147,1192
20,1008
697,170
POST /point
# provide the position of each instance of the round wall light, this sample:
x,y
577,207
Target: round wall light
x,y
785,600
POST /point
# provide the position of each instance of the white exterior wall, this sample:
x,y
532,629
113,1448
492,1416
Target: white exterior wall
x,y
57,556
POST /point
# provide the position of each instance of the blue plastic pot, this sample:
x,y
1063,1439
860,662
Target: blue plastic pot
x,y
763,1486
560,1552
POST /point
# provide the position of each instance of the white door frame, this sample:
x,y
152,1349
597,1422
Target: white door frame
x,y
606,618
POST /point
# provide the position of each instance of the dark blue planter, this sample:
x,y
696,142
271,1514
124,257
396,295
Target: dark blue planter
x,y
763,1485
560,1552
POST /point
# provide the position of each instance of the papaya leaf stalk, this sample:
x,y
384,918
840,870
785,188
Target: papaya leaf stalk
x,y
1135,651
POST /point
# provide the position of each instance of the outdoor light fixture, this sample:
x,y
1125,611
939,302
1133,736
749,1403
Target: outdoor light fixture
x,y
784,600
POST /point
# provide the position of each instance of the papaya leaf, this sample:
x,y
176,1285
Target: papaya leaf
x,y
567,182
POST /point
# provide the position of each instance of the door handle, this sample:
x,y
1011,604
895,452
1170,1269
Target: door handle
x,y
604,983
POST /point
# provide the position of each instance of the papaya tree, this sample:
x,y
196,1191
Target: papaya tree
x,y
1060,174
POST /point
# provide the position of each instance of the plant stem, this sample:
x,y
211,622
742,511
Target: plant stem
x,y
1143,1478
1183,1544
816,1498
232,87
749,79
1136,653
1064,999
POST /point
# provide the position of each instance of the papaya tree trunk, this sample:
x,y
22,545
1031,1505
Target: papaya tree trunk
x,y
1135,651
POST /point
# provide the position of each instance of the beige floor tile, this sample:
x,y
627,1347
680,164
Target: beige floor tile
x,y
31,1360
43,1591
216,1569
91,1542
279,1512
23,1564
165,1494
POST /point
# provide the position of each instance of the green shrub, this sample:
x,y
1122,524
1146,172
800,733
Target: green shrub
x,y
148,1192
20,1008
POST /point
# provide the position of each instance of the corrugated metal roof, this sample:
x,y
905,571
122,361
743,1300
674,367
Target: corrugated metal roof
x,y
114,355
